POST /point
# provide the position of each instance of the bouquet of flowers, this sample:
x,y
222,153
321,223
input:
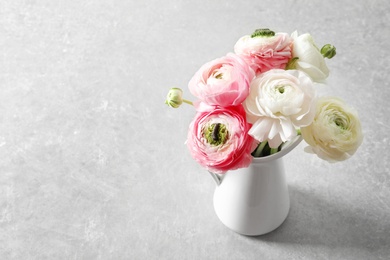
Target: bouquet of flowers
x,y
250,102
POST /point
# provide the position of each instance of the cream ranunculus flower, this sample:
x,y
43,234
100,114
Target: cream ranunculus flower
x,y
279,102
335,133
310,60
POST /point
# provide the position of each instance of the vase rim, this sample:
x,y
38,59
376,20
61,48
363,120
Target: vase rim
x,y
286,148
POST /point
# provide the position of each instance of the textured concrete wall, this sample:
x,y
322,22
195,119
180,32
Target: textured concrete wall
x,y
93,163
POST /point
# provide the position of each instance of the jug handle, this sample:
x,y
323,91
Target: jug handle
x,y
217,177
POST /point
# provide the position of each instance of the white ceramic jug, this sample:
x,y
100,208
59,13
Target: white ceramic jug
x,y
254,200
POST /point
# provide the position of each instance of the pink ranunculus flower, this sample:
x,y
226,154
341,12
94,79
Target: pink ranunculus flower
x,y
263,53
222,82
218,139
279,102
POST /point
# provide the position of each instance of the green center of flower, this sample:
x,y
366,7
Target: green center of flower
x,y
263,33
340,120
340,123
216,134
280,89
218,75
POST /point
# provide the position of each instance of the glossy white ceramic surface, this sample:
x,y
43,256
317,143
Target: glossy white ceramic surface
x,y
254,200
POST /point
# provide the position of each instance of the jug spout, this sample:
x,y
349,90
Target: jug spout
x,y
217,177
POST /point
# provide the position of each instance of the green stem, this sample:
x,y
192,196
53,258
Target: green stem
x,y
259,149
274,150
188,102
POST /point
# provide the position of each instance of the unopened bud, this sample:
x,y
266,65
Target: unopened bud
x,y
328,51
174,97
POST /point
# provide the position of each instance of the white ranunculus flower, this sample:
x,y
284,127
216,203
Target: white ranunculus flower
x,y
310,59
335,133
279,102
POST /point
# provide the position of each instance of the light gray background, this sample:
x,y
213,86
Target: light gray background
x,y
93,163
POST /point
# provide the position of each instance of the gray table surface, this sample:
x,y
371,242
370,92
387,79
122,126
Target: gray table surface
x,y
93,163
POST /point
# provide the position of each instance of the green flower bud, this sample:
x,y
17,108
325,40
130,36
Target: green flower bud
x,y
174,97
328,51
263,33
